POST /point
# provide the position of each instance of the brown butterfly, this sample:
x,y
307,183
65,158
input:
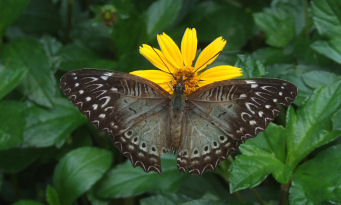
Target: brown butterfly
x,y
202,128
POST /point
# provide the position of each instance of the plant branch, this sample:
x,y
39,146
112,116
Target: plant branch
x,y
284,193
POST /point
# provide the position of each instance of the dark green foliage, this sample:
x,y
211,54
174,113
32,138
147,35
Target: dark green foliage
x,y
50,153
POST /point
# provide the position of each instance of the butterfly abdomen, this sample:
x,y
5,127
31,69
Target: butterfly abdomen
x,y
177,108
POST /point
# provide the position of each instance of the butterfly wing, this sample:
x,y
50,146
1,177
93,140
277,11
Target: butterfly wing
x,y
131,109
222,115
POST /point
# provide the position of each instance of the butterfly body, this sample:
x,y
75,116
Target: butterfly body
x,y
176,110
202,128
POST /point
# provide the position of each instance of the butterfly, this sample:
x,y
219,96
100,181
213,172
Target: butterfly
x,y
202,128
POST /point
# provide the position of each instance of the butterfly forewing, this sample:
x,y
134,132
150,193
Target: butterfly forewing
x,y
127,107
222,115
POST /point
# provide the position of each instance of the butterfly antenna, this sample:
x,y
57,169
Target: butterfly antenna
x,y
217,54
169,72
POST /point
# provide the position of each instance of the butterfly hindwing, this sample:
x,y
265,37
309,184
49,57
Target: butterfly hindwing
x,y
127,107
224,114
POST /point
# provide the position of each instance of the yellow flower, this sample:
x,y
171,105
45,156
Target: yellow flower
x,y
176,65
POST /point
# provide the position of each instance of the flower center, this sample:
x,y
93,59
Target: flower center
x,y
189,78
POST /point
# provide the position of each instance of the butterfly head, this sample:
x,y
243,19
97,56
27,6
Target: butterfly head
x,y
179,88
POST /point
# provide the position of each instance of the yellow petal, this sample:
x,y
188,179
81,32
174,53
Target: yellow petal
x,y
156,76
189,46
210,53
205,82
170,50
167,87
155,56
219,73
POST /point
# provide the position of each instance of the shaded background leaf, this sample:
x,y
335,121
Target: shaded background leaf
x,y
77,171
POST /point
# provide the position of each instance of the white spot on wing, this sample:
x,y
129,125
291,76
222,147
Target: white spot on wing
x,y
250,81
88,99
81,91
252,122
104,77
254,85
101,116
95,106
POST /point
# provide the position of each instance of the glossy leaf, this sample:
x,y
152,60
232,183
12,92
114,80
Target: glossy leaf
x,y
125,180
39,84
12,124
327,17
52,196
160,15
331,48
310,126
47,127
10,79
316,79
260,157
318,180
78,170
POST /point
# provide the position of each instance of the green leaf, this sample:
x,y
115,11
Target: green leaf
x,y
160,15
78,170
52,196
135,27
9,11
47,127
251,68
281,22
214,18
337,120
260,157
318,181
271,55
310,126
125,180
331,48
39,85
17,159
12,124
165,199
175,199
327,17
27,202
316,79
95,200
52,47
75,57
10,79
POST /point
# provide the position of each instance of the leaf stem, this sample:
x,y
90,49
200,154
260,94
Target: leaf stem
x,y
69,20
284,193
258,197
307,22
